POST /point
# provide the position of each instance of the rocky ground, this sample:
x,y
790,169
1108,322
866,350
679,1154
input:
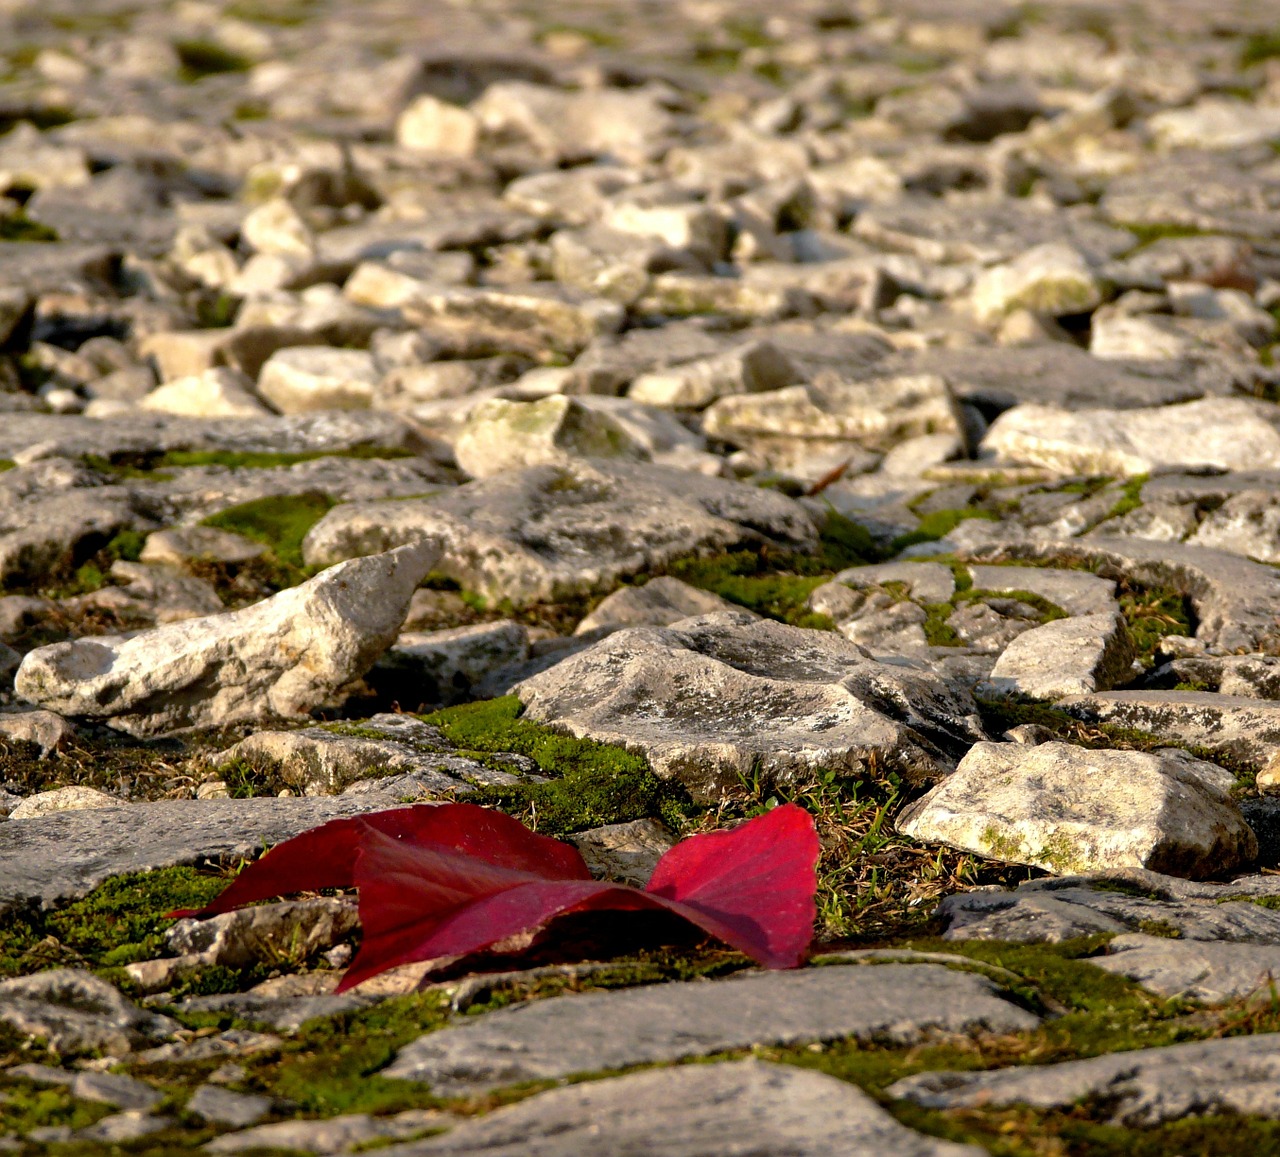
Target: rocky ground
x,y
630,415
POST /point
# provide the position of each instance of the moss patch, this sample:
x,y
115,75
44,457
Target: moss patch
x,y
280,523
19,227
201,58
120,921
938,524
595,784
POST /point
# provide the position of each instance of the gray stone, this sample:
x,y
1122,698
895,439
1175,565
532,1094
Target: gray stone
x,y
1062,375
1215,123
1243,729
998,231
343,1134
63,857
307,378
753,367
265,933
735,1109
1052,279
927,582
199,543
122,1127
715,698
239,666
499,436
1198,969
1068,809
588,1032
333,758
1076,592
1072,656
49,732
116,1089
549,532
1248,523
285,1014
451,665
658,603
625,852
64,799
76,1012
1226,433
1143,1087
223,1107
1234,600
1117,902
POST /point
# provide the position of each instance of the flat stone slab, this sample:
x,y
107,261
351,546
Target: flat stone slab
x,y
711,699
611,1030
1236,1075
1052,910
1244,728
1234,599
1076,592
65,856
1201,969
741,1109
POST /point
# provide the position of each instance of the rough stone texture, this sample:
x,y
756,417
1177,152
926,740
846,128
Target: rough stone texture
x,y
500,436
64,856
718,697
1244,729
549,532
742,1109
1198,969
1247,523
76,1012
1117,901
265,933
1233,599
659,603
606,1030
1052,279
116,1089
342,1134
334,758
1074,656
63,799
1076,592
1227,433
223,1107
308,378
1143,1088
1068,810
625,852
276,659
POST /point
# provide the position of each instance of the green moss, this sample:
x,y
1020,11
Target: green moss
x,y
91,574
283,13
266,460
1047,611
1131,496
938,524
120,921
19,227
1152,613
201,58
938,632
1258,47
595,784
7,464
280,523
25,1106
1149,232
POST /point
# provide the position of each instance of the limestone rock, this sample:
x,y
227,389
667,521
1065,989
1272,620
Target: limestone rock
x,y
1118,901
1196,969
500,436
454,664
1051,279
1244,729
265,933
223,1107
1068,809
333,1135
431,125
216,393
547,532
1072,656
195,543
608,1030
307,378
658,603
1143,1087
1247,524
1216,123
63,799
1076,592
76,1012
626,852
734,1109
754,367
276,659
1226,433
712,699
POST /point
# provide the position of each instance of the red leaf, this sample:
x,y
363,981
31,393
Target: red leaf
x,y
455,879
751,887
324,857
